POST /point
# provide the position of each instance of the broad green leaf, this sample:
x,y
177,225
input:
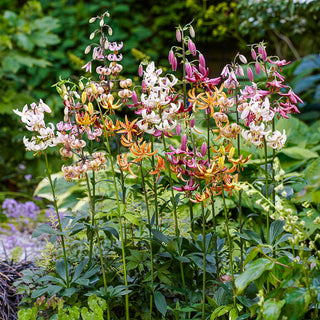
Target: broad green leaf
x,y
160,302
233,314
252,272
159,236
220,311
252,254
312,172
43,228
297,302
299,153
24,42
61,269
276,228
272,308
132,218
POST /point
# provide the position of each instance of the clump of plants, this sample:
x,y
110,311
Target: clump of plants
x,y
175,205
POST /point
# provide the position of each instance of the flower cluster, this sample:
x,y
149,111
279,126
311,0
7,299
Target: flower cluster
x,y
33,117
14,209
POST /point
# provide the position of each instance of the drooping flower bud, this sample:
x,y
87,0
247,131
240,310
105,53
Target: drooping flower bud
x,y
178,35
192,33
92,35
192,47
257,67
188,69
178,129
88,49
109,31
242,58
184,142
101,23
92,20
90,108
174,64
202,60
204,149
253,54
83,97
250,74
192,122
140,70
171,57
134,97
240,71
264,54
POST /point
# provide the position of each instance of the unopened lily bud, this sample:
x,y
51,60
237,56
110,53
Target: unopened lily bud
x,y
192,122
192,33
94,88
192,47
140,70
202,61
188,69
109,31
257,67
253,54
134,97
83,97
174,64
264,54
106,44
178,35
90,108
171,57
178,129
81,86
221,163
202,69
240,71
231,152
92,35
250,74
184,140
92,20
204,149
101,23
88,49
222,150
59,90
242,58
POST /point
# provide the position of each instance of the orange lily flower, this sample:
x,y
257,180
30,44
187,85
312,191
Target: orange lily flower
x,y
125,165
161,166
128,128
110,127
143,150
85,120
109,105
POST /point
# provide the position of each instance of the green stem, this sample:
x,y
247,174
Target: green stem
x,y
150,236
107,144
204,250
176,227
240,191
267,186
229,240
92,205
58,217
214,222
155,186
120,226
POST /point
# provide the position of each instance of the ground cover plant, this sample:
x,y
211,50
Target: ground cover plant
x,y
178,198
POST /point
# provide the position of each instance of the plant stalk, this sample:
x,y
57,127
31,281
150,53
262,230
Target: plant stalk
x,y
59,220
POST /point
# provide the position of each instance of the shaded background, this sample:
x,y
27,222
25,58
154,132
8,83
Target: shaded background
x,y
42,40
